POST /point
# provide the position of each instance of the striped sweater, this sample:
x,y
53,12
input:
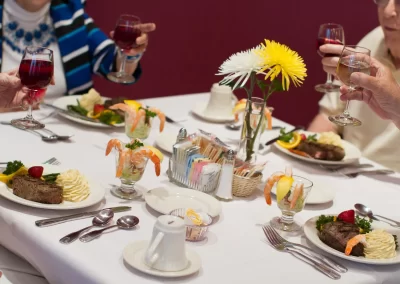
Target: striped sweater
x,y
84,48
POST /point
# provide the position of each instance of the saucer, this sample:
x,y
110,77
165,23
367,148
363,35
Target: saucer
x,y
134,255
199,111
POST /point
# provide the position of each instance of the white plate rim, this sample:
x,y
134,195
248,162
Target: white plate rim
x,y
311,234
199,108
347,145
138,246
160,141
214,205
62,102
91,200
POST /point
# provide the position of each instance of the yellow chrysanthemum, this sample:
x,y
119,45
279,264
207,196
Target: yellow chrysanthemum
x,y
278,58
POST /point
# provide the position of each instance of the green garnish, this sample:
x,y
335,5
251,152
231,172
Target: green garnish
x,y
363,224
322,220
136,144
312,138
285,137
395,241
50,177
77,108
12,167
110,117
149,113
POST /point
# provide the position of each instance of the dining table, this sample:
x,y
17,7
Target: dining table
x,y
235,250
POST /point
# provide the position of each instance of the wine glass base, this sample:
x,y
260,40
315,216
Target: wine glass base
x,y
27,123
342,120
327,88
277,223
121,78
126,195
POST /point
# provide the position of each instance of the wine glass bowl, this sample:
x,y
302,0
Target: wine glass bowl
x,y
352,59
36,72
126,31
329,33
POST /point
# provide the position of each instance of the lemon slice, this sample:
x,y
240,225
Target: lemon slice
x,y
240,107
92,115
133,104
292,144
156,152
194,217
283,187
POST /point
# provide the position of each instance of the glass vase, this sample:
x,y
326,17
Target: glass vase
x,y
252,128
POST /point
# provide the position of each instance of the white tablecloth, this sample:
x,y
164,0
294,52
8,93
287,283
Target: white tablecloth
x,y
235,251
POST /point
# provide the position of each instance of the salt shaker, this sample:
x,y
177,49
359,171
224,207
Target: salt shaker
x,y
224,190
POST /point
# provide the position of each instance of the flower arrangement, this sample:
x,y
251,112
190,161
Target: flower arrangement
x,y
269,61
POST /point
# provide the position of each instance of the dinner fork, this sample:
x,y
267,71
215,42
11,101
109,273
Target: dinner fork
x,y
52,161
303,256
328,261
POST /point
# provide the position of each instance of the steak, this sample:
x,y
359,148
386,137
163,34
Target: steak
x,y
37,190
337,234
321,151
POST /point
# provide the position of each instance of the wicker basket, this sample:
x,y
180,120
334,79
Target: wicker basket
x,y
244,186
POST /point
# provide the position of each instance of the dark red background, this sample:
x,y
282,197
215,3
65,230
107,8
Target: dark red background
x,y
194,37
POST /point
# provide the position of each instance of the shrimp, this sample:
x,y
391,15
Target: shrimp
x,y
125,108
268,116
236,113
270,183
160,115
141,112
353,242
114,143
142,153
121,162
298,192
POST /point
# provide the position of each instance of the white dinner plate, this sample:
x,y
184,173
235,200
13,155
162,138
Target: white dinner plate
x,y
63,102
312,235
352,154
134,255
96,194
168,198
320,193
166,140
199,111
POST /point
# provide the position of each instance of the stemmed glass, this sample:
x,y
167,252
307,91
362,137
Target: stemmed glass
x,y
353,59
36,72
126,32
329,34
290,208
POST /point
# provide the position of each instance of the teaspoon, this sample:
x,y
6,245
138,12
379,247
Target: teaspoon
x,y
366,211
100,220
125,222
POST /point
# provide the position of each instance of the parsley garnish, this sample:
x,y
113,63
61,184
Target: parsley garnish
x,y
12,167
312,138
110,117
363,224
322,220
285,137
134,145
149,113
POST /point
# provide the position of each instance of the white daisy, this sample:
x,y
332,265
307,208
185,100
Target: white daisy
x,y
239,66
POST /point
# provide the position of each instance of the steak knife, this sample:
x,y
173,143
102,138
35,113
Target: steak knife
x,y
58,220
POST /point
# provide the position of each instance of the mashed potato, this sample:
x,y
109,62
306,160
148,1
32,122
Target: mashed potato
x,y
74,184
90,99
330,138
380,245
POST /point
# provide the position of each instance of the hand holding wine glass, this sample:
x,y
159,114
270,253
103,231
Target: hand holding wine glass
x,y
332,34
353,59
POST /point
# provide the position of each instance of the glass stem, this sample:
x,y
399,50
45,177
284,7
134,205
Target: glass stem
x,y
123,62
329,78
128,187
287,218
31,96
346,110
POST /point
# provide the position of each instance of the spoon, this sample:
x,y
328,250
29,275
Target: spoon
x,y
125,222
366,211
100,220
59,137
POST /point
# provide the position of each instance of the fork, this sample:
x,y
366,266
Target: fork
x,y
326,260
306,258
377,172
52,161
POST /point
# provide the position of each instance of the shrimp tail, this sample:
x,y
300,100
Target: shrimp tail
x,y
353,242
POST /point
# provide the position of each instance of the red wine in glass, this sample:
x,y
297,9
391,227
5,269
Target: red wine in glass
x,y
125,36
36,72
322,41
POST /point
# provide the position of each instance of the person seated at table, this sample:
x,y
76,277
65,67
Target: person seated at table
x,y
377,139
12,93
80,48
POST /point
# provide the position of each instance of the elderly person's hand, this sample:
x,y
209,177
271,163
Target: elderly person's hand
x,y
329,63
380,91
12,94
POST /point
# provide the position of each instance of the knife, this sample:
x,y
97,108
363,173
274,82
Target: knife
x,y
277,138
73,114
58,220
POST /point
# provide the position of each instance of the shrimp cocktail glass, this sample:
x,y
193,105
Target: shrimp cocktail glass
x,y
131,160
139,118
291,195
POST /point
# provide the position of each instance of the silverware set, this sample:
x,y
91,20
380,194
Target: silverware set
x,y
358,169
320,262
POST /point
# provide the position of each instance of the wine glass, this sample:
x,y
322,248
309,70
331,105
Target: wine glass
x,y
290,208
36,72
353,59
126,32
332,34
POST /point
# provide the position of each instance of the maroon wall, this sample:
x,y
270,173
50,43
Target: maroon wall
x,y
194,37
